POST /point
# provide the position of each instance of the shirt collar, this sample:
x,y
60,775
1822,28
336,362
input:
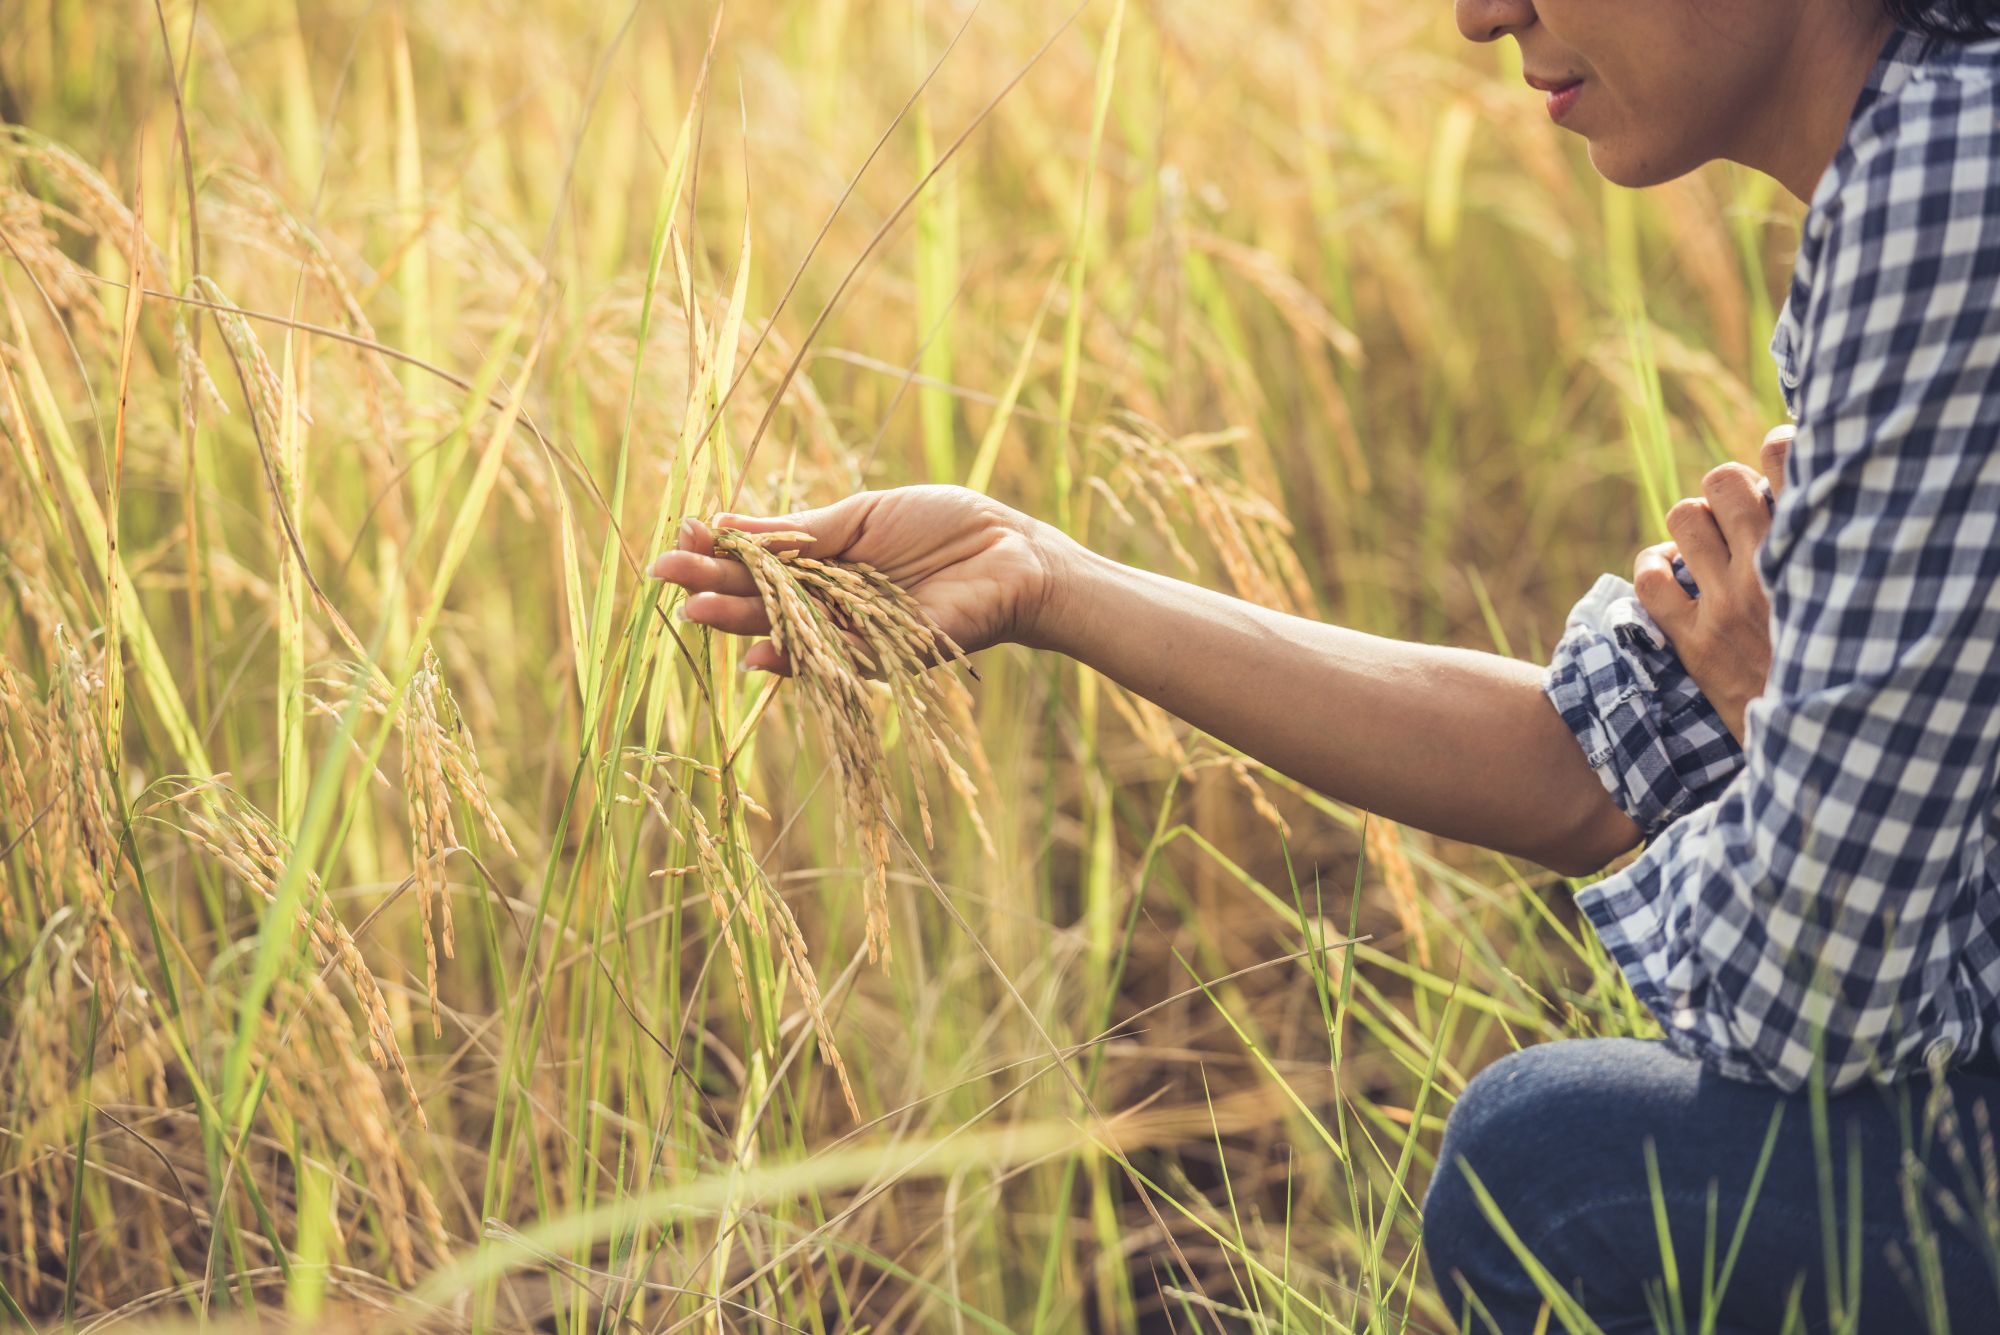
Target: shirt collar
x,y
1903,55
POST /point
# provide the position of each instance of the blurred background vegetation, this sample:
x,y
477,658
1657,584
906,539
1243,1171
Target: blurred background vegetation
x,y
327,671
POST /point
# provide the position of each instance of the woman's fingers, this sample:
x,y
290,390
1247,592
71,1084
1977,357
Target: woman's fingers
x,y
694,536
763,656
728,613
1700,539
704,574
694,565
1659,592
1777,448
1737,502
833,528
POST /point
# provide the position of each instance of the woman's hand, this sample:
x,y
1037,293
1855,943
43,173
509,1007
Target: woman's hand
x,y
1724,636
985,573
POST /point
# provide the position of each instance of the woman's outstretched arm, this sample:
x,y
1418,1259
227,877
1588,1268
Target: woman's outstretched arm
x,y
1457,742
1460,743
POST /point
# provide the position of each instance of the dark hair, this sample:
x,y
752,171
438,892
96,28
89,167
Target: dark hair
x,y
1948,18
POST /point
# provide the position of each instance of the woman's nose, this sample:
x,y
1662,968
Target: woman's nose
x,y
1490,20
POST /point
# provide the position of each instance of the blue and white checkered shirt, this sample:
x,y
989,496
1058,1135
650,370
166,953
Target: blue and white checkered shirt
x,y
1831,886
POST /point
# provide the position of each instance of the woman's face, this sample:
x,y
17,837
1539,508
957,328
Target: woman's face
x,y
1658,87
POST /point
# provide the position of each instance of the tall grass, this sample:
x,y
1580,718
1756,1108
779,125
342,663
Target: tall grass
x,y
405,918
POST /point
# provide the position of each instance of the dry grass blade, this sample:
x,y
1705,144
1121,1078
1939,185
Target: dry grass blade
x,y
841,623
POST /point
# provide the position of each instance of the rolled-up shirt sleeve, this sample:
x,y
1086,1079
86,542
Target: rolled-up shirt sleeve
x,y
1656,743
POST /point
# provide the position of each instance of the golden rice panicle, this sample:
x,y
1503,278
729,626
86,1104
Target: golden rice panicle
x,y
461,761
1259,801
27,236
833,683
439,764
792,941
317,1077
1179,483
93,206
964,729
197,386
330,688
1385,850
22,736
255,202
431,829
894,628
729,900
837,622
725,896
261,384
245,843
60,185
1154,728
33,1073
90,814
259,210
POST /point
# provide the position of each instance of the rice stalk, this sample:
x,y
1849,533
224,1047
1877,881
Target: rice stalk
x,y
1178,484
439,765
22,724
838,622
245,843
1384,842
266,390
95,208
731,902
26,234
90,801
344,1105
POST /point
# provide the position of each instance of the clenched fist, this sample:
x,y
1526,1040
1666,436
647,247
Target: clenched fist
x,y
1723,637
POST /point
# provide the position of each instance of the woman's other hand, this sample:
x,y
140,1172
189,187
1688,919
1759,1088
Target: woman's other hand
x,y
985,573
1724,636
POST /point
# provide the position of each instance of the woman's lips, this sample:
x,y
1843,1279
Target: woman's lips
x,y
1562,94
1562,99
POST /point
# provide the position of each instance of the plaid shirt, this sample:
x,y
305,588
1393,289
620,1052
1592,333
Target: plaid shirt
x,y
1830,886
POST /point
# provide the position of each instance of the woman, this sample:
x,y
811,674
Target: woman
x,y
1812,917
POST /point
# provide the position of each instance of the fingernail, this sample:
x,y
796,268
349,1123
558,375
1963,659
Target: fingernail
x,y
687,534
681,613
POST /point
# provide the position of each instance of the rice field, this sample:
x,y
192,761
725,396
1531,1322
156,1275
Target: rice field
x,y
406,922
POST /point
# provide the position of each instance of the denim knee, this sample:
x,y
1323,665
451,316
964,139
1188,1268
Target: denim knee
x,y
1501,1122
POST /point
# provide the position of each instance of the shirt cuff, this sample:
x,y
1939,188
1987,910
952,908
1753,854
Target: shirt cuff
x,y
1657,746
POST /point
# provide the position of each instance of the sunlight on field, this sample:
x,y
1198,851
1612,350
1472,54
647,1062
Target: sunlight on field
x,y
404,917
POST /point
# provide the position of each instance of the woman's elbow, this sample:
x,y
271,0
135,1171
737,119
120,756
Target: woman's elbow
x,y
1589,844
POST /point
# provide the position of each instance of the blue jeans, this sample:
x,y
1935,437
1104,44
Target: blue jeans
x,y
1557,1135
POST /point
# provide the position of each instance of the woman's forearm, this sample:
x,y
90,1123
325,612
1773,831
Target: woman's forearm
x,y
1460,743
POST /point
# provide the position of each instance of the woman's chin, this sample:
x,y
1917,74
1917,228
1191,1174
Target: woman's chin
x,y
1636,166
